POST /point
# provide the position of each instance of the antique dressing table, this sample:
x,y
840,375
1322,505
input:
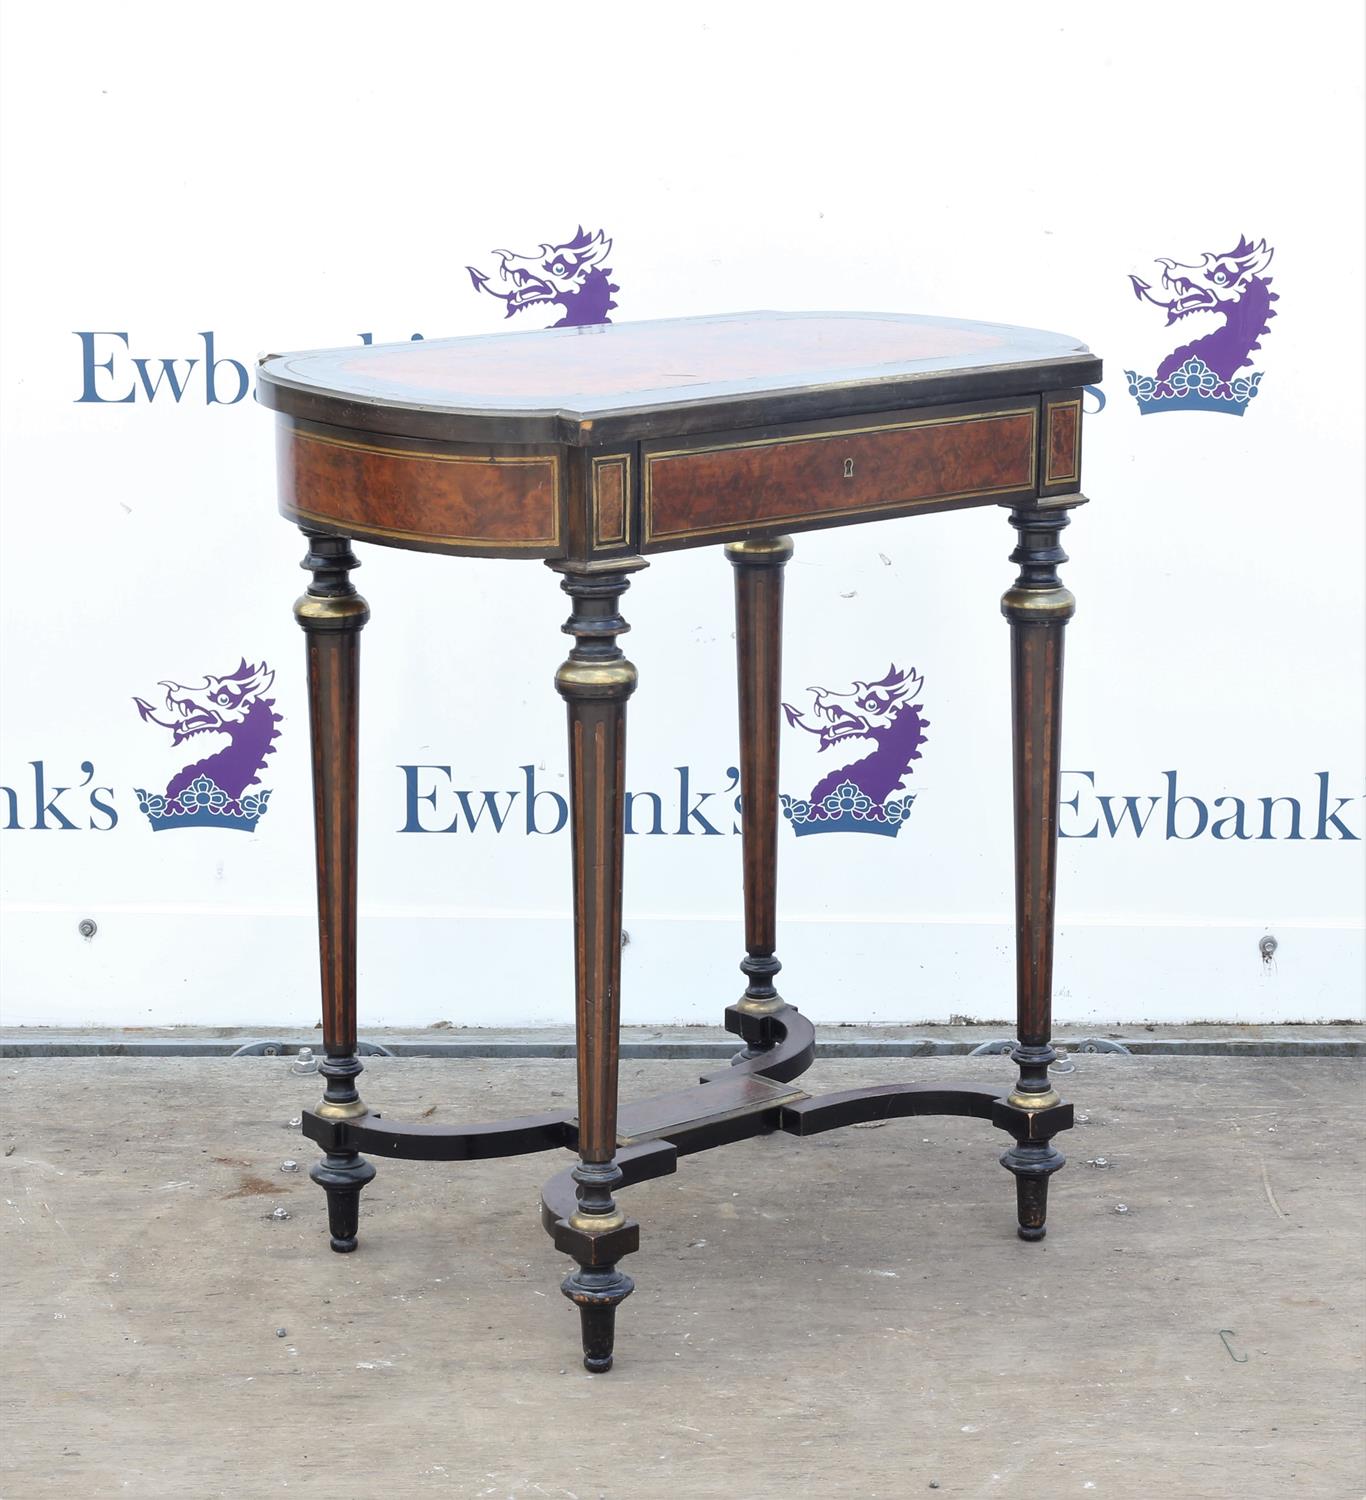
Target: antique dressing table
x,y
593,449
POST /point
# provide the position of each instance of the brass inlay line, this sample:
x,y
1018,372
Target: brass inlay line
x,y
364,528
583,1031
651,534
1049,477
303,435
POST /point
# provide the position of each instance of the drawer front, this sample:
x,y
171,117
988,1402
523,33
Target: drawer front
x,y
478,502
854,472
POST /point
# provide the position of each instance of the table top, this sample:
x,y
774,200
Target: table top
x,y
634,380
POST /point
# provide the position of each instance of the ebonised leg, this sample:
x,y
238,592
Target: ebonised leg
x,y
595,683
333,614
759,568
1038,608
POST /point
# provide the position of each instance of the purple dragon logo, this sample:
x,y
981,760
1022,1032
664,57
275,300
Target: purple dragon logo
x,y
857,796
1203,375
213,792
571,276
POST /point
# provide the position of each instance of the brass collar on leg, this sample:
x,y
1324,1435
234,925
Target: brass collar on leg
x,y
1034,604
1034,1101
329,611
597,1223
773,550
352,1109
752,1007
613,678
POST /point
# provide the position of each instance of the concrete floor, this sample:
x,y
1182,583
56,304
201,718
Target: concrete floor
x,y
850,1315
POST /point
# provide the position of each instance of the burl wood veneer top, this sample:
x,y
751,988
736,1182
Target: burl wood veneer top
x,y
670,375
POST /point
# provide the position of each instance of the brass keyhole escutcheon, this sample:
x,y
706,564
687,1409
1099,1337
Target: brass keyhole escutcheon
x,y
848,468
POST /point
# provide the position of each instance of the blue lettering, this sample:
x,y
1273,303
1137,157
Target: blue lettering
x,y
1094,830
1270,802
489,805
1235,818
1326,817
89,365
43,805
685,813
167,373
95,801
533,796
730,787
1201,812
1130,814
656,816
412,816
211,365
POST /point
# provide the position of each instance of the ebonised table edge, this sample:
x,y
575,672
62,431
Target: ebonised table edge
x,y
681,419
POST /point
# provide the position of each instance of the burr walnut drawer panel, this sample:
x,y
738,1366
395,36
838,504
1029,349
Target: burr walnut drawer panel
x,y
444,498
848,472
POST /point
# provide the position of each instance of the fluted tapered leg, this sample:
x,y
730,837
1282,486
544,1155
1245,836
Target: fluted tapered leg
x,y
595,683
333,614
759,566
1038,608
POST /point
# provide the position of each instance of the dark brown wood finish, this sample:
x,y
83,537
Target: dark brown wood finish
x,y
695,430
596,682
816,475
333,615
759,567
1038,608
589,447
449,497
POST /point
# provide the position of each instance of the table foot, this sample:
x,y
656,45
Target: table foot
x,y
597,1293
342,1176
1032,1165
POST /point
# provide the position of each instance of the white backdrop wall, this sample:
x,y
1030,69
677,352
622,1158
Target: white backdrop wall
x,y
207,184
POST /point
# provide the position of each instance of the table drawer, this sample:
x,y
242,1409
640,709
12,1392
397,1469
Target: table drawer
x,y
851,472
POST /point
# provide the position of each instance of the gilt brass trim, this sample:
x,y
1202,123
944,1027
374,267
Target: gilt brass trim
x,y
751,1007
332,609
760,550
1034,1102
303,435
596,678
351,1110
597,1223
1042,605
